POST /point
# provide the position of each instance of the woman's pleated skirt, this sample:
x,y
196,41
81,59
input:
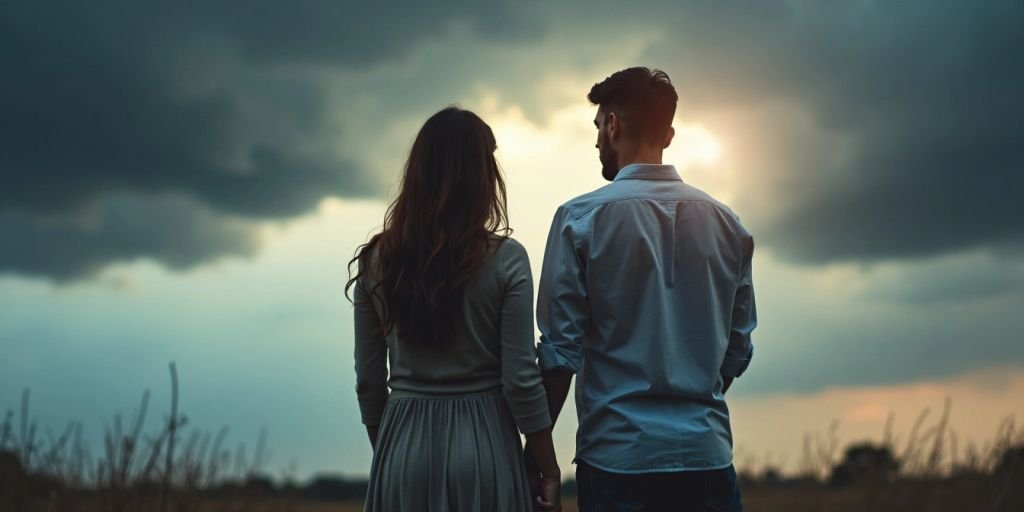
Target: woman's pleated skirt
x,y
447,453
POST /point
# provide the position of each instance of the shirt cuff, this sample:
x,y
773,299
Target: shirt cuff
x,y
735,366
551,357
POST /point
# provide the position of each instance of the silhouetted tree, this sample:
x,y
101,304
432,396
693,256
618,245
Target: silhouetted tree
x,y
1011,462
864,461
335,488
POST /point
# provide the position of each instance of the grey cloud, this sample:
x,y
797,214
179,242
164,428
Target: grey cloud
x,y
353,34
982,283
173,228
925,96
225,105
218,103
904,344
911,144
960,278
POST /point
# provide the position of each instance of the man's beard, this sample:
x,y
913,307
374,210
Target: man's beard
x,y
609,162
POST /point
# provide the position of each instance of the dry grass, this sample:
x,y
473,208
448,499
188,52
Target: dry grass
x,y
926,471
179,470
172,470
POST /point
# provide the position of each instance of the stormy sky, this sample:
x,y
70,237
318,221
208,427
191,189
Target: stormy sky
x,y
186,182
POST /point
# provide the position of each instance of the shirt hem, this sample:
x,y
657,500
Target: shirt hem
x,y
651,470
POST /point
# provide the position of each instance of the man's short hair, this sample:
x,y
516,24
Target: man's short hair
x,y
643,98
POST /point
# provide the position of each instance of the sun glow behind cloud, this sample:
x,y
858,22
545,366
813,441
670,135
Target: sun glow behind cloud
x,y
693,145
548,164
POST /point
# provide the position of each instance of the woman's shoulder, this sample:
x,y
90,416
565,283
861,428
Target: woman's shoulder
x,y
511,258
507,247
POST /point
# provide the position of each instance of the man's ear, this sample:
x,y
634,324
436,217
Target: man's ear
x,y
668,137
614,126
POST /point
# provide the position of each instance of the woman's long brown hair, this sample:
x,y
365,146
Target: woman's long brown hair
x,y
438,231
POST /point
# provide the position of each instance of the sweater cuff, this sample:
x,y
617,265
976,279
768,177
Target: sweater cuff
x,y
535,422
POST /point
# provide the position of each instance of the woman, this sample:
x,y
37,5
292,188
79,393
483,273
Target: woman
x,y
444,298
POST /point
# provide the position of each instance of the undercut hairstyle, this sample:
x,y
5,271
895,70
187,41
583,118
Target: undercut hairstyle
x,y
644,100
438,232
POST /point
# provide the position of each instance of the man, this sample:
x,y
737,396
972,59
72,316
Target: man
x,y
646,295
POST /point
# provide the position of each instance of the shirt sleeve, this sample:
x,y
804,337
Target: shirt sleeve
x,y
562,313
744,319
371,358
520,376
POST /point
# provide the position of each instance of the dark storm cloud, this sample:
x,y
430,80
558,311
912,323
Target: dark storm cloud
x,y
352,33
981,282
893,345
224,104
926,98
214,102
127,227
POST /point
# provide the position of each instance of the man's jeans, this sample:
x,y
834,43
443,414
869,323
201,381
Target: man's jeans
x,y
679,491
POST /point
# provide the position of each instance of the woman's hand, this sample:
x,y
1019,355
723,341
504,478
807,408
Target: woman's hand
x,y
550,493
544,475
371,432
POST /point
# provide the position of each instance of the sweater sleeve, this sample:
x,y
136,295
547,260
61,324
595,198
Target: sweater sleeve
x,y
370,358
520,375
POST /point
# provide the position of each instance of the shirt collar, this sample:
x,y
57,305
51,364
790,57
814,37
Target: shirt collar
x,y
648,172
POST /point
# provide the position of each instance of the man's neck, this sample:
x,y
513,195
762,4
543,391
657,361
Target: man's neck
x,y
640,156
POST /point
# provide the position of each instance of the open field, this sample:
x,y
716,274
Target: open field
x,y
937,496
174,469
